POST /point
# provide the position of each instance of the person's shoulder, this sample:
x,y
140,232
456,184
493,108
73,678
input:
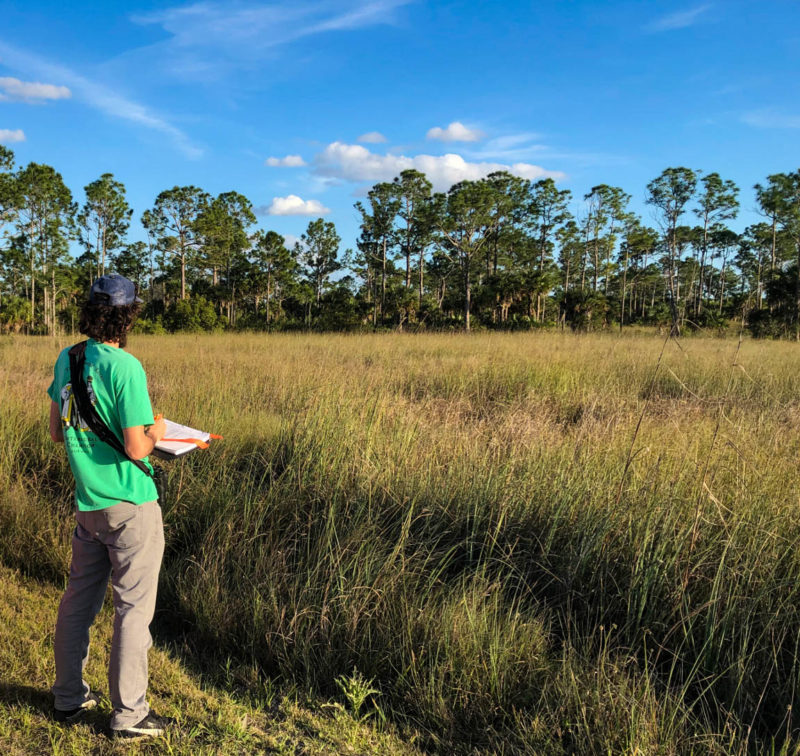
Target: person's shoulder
x,y
126,362
126,357
63,355
111,360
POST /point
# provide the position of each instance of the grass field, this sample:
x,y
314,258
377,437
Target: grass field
x,y
527,543
216,715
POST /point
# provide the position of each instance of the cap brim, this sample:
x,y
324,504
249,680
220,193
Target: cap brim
x,y
136,299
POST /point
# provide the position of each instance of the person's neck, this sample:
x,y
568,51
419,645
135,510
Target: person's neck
x,y
114,344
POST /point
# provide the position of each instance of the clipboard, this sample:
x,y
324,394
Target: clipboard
x,y
179,440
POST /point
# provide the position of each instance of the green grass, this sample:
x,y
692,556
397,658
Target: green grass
x,y
446,516
237,715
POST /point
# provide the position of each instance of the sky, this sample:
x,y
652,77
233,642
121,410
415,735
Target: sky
x,y
302,105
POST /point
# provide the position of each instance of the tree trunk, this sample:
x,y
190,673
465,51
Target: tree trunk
x,y
421,263
758,282
583,271
408,262
699,307
269,292
103,259
622,294
53,297
467,295
383,283
672,276
183,274
774,244
33,285
797,295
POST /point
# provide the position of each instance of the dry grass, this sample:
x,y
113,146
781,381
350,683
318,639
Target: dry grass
x,y
441,513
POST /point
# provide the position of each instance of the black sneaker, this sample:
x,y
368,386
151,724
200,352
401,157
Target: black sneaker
x,y
150,727
75,715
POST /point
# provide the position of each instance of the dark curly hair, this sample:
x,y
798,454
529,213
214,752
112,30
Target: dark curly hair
x,y
107,323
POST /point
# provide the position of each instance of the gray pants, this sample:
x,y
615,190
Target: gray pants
x,y
125,541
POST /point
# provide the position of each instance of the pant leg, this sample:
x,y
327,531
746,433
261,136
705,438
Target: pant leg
x,y
88,578
135,544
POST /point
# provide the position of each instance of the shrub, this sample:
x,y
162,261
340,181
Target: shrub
x,y
195,314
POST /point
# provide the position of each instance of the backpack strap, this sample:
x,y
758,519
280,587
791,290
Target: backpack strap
x,y
87,411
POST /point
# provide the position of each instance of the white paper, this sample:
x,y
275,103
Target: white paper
x,y
176,430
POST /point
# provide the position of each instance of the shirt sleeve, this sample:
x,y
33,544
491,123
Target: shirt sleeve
x,y
133,401
54,389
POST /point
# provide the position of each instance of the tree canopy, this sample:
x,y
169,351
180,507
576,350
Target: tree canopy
x,y
497,252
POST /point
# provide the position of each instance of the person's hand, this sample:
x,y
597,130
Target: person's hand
x,y
157,430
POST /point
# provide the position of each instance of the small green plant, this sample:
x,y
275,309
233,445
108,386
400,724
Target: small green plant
x,y
357,690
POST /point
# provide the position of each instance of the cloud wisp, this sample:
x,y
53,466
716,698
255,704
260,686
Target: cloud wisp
x,y
98,96
678,20
372,137
289,161
293,205
10,136
354,162
767,118
210,37
512,147
455,132
14,90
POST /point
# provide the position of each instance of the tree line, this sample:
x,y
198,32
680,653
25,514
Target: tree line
x,y
499,252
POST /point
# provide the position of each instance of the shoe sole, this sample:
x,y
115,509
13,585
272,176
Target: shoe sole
x,y
135,734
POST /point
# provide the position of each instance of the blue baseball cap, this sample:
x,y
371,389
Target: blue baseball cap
x,y
113,290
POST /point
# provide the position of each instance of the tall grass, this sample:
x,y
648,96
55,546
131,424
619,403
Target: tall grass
x,y
443,515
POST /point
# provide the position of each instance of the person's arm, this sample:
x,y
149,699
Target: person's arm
x,y
135,411
139,442
56,431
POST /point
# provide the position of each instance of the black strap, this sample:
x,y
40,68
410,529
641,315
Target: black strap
x,y
87,411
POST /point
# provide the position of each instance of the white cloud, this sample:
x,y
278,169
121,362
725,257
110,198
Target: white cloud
x,y
8,136
290,161
771,119
31,91
294,205
99,96
679,20
352,162
455,132
372,137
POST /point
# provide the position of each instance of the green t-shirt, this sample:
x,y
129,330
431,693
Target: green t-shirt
x,y
118,388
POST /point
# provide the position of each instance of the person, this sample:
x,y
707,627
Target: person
x,y
119,531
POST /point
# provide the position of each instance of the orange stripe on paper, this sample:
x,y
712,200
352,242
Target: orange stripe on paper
x,y
200,444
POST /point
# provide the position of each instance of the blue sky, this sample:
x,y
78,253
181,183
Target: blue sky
x,y
303,105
